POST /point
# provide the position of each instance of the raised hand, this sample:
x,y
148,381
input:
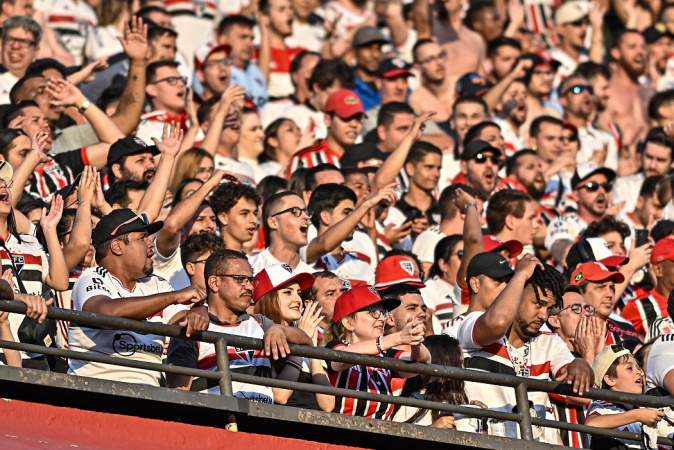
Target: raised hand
x,y
386,194
191,109
134,41
234,94
98,200
310,321
18,122
8,276
38,144
48,221
170,140
419,126
87,74
516,12
65,93
527,265
395,235
462,199
596,13
521,68
190,295
87,186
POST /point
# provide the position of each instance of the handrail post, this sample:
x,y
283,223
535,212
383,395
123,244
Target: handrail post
x,y
222,359
522,398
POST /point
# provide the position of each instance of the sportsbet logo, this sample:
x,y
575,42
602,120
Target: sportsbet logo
x,y
579,277
125,344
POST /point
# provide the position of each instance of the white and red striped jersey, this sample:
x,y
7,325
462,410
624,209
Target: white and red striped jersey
x,y
542,357
97,281
643,312
307,118
63,300
362,247
194,21
240,169
357,272
280,83
438,295
365,379
659,327
564,411
152,125
309,157
604,408
72,20
201,355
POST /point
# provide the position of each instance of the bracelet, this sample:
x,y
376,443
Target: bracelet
x,y
465,208
85,105
380,349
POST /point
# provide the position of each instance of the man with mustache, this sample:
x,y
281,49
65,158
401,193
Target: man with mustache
x,y
576,96
131,159
512,114
648,209
480,162
657,155
627,96
591,185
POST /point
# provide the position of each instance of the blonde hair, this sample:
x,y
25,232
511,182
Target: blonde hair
x,y
187,165
337,331
269,305
110,10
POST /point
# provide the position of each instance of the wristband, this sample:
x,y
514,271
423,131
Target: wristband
x,y
85,105
465,208
380,349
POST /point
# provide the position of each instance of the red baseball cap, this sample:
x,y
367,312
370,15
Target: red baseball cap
x,y
492,243
663,249
594,271
345,104
278,275
205,50
360,298
396,270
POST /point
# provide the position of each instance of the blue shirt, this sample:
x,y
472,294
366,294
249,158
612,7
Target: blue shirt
x,y
253,81
368,95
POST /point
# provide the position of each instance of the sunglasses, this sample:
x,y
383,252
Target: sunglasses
x,y
567,139
458,253
481,158
594,187
579,88
580,23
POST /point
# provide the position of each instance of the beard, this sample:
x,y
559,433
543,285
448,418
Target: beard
x,y
529,330
535,192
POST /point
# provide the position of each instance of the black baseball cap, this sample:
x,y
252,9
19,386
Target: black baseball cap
x,y
494,265
67,190
662,229
655,32
394,67
365,151
472,83
474,148
122,221
129,146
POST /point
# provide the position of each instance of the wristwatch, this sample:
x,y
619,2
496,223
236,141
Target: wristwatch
x,y
85,105
465,208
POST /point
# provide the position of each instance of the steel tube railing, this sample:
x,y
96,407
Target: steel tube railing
x,y
225,377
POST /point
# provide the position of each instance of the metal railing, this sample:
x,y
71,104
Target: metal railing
x,y
225,377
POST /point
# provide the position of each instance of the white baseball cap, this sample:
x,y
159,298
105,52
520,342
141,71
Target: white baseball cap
x,y
278,275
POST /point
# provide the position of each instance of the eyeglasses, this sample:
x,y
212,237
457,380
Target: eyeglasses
x,y
442,56
594,187
6,183
376,313
579,88
172,81
23,43
219,62
296,211
241,280
481,158
577,308
199,261
567,139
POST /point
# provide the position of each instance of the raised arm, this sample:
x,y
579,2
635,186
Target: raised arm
x,y
390,169
336,234
234,94
421,18
494,324
58,277
472,233
80,234
493,95
596,17
33,158
168,238
134,42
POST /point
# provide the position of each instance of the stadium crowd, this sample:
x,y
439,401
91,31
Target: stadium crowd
x,y
483,184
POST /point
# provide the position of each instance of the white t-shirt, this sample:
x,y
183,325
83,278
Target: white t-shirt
x,y
627,189
424,246
307,118
266,259
439,296
567,66
152,126
568,226
171,269
97,281
102,41
7,82
547,355
660,362
72,20
591,140
350,268
307,35
241,170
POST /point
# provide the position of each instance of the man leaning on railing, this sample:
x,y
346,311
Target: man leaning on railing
x,y
123,286
507,339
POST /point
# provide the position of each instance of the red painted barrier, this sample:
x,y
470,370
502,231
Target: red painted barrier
x,y
31,426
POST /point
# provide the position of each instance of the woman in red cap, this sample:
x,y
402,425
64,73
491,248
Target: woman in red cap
x,y
358,326
277,297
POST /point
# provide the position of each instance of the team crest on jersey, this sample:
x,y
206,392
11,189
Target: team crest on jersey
x,y
407,267
374,291
19,262
287,268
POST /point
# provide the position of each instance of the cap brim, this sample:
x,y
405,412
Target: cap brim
x,y
617,277
411,281
499,272
515,248
614,261
306,280
65,191
151,229
397,73
608,173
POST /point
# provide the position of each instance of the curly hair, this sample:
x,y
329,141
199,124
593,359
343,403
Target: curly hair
x,y
548,279
227,195
606,225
